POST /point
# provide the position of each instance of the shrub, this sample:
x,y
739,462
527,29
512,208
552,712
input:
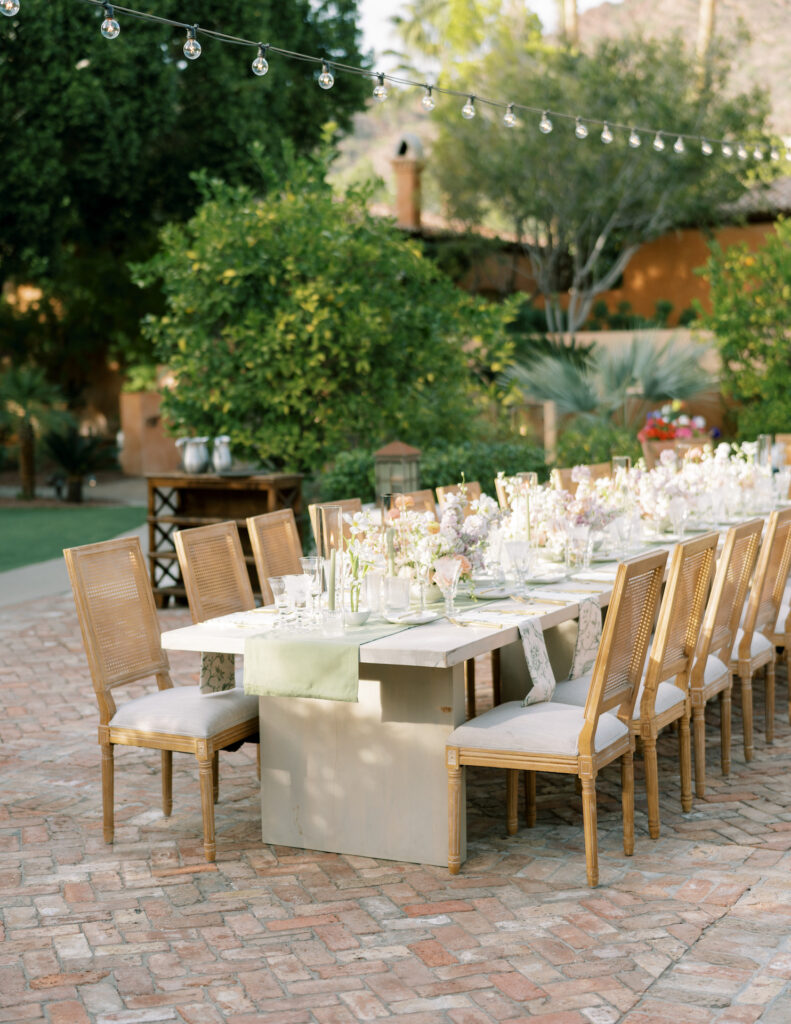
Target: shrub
x,y
583,442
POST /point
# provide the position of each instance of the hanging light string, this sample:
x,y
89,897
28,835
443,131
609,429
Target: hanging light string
x,y
659,139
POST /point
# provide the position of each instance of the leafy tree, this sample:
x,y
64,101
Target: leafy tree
x,y
29,404
300,325
750,295
581,208
98,140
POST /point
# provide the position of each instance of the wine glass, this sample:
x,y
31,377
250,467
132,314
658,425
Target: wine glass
x,y
278,587
311,566
446,575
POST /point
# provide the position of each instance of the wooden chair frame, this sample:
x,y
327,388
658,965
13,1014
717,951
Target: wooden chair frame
x,y
616,678
277,548
763,606
214,570
473,492
419,501
562,477
121,636
723,610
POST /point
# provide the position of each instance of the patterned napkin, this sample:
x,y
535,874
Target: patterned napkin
x,y
534,645
217,672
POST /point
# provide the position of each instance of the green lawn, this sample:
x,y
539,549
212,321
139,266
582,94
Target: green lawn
x,y
30,535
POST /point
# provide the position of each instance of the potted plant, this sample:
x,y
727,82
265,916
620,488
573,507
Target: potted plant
x,y
670,428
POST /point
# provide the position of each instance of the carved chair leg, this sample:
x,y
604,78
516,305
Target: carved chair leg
x,y
685,760
206,776
725,730
770,701
454,817
512,800
108,791
699,734
530,799
167,782
627,801
215,774
469,680
589,826
747,714
651,784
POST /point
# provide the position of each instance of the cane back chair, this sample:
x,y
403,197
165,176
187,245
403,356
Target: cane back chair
x,y
276,547
214,571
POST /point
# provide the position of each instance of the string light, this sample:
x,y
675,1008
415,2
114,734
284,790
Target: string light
x,y
380,90
260,65
192,48
678,146
110,28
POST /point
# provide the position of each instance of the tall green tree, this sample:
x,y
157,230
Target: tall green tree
x,y
99,137
580,208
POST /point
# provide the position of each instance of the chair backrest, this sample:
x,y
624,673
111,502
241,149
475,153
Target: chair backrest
x,y
472,487
214,571
418,501
769,579
276,547
728,591
562,477
624,642
680,616
501,492
117,616
348,506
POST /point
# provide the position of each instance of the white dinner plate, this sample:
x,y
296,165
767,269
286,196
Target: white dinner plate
x,y
413,618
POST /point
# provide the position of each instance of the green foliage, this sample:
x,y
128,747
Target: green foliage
x,y
579,208
141,377
98,140
350,475
624,317
80,454
581,442
300,325
29,404
750,294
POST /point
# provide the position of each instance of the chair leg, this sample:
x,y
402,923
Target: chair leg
x,y
699,734
496,692
651,784
469,679
512,800
725,730
206,775
747,715
589,826
215,775
530,799
627,801
167,782
770,701
454,814
108,791
685,759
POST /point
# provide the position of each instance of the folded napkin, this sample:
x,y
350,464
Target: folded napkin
x,y
217,672
534,645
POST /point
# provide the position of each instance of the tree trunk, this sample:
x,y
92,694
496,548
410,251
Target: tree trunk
x,y
74,488
571,22
705,33
27,459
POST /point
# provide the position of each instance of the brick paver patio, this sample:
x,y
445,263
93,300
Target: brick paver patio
x,y
695,928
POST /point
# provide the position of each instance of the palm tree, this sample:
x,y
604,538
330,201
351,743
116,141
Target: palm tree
x,y
29,403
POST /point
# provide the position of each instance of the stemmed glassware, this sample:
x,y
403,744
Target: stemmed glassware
x,y
278,587
311,566
520,555
446,575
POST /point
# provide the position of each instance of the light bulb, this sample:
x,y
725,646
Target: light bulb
x,y
634,139
326,79
741,151
580,129
9,7
468,110
110,28
758,153
509,117
606,135
260,65
774,153
427,102
658,143
545,125
380,90
706,148
678,146
192,47
727,149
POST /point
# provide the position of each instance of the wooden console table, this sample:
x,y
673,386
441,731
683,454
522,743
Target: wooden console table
x,y
181,500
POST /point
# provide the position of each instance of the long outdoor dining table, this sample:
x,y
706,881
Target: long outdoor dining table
x,y
369,778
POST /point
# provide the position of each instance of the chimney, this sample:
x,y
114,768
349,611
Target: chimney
x,y
408,166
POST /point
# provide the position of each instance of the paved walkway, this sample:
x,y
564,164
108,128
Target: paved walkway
x,y
694,929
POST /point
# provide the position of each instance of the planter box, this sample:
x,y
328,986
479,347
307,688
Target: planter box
x,y
146,448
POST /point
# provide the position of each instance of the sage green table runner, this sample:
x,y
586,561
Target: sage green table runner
x,y
307,665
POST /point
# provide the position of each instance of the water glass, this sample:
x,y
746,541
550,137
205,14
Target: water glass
x,y
396,596
372,590
297,589
278,587
678,511
446,575
520,555
311,566
578,546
